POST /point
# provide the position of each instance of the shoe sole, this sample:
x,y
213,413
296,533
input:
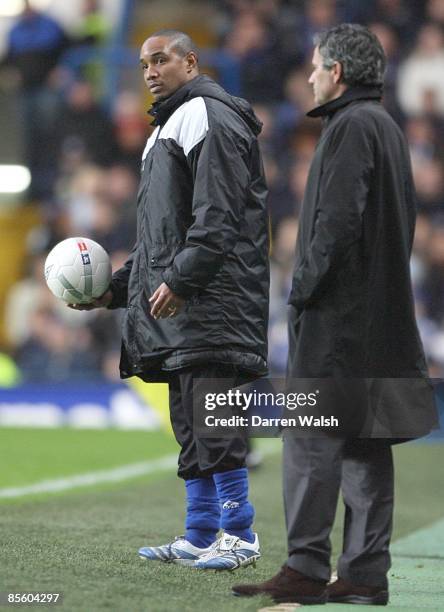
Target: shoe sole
x,y
186,562
305,601
246,563
381,599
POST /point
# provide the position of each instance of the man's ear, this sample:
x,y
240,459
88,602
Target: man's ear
x,y
191,61
337,72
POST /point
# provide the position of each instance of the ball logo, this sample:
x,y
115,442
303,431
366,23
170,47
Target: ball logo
x,y
82,246
85,258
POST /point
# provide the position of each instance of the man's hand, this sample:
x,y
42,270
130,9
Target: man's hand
x,y
100,302
164,303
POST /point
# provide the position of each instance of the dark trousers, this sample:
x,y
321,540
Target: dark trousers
x,y
314,471
202,457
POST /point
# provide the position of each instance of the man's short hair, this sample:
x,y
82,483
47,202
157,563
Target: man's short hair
x,y
181,43
358,51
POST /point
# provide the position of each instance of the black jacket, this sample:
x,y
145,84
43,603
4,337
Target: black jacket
x,y
202,229
352,313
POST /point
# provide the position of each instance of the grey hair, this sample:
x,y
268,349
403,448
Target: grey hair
x,y
181,43
358,51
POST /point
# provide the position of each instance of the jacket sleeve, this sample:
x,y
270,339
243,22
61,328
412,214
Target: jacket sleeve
x,y
221,178
345,182
119,283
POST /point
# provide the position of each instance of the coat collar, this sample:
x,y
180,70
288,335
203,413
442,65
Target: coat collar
x,y
163,109
350,95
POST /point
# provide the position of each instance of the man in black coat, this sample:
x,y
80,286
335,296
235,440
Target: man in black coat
x,y
352,332
195,287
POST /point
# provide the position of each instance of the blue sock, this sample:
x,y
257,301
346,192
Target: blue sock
x,y
203,512
236,512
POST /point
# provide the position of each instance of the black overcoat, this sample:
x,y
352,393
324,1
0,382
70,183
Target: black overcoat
x,y
351,303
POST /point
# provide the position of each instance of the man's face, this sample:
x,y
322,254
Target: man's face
x,y
323,80
164,71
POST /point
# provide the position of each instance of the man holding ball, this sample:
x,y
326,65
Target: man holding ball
x,y
196,286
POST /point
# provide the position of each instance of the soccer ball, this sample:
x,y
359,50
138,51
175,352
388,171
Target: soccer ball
x,y
77,270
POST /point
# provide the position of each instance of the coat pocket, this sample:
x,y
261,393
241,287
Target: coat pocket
x,y
160,257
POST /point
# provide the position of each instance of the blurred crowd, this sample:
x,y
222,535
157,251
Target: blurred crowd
x,y
85,159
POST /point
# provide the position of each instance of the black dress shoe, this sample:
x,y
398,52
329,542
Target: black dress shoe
x,y
288,586
342,591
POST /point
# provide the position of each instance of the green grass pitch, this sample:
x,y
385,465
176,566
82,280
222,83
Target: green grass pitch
x,y
84,542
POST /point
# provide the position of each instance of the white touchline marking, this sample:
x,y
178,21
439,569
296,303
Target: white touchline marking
x,y
124,472
119,474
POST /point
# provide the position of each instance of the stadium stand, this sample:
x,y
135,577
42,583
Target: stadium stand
x,y
261,50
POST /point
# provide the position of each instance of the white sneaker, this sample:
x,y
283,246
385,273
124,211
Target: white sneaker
x,y
179,551
230,553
